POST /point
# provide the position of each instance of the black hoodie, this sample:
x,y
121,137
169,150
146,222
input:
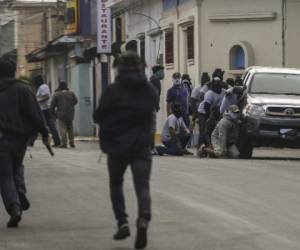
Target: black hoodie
x,y
125,114
20,115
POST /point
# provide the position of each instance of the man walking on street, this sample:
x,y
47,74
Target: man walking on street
x,y
125,117
43,96
20,117
62,107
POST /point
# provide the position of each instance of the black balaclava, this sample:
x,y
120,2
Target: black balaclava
x,y
38,81
204,78
230,82
176,108
62,86
7,68
216,86
218,73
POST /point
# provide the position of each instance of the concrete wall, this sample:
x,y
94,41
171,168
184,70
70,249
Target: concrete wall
x,y
80,84
28,41
218,37
293,34
179,19
218,26
136,24
7,37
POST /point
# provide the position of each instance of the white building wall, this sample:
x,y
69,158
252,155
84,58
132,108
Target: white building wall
x,y
136,23
154,45
213,40
293,34
219,37
180,18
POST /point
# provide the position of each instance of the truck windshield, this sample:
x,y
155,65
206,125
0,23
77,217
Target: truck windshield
x,y
275,83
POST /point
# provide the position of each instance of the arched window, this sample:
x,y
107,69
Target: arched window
x,y
237,58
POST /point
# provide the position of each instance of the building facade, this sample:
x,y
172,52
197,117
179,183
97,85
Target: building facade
x,y
70,57
36,24
200,35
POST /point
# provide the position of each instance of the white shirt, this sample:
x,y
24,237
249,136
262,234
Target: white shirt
x,y
42,91
213,99
172,122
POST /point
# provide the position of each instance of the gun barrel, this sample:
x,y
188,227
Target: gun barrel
x,y
50,150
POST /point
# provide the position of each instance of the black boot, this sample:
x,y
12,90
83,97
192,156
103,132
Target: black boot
x,y
25,204
141,235
123,232
15,217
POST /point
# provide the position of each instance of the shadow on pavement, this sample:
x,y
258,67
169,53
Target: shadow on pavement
x,y
275,158
121,248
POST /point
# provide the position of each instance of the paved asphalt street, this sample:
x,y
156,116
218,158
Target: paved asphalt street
x,y
198,204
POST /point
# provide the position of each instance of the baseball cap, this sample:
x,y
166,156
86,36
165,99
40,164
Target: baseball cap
x,y
234,109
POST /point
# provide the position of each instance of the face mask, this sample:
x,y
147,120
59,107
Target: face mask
x,y
234,116
217,88
176,82
178,113
160,74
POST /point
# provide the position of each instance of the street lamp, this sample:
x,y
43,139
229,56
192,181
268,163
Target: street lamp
x,y
159,28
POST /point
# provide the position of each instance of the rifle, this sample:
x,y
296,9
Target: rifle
x,y
50,150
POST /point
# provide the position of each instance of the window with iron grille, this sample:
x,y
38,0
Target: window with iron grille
x,y
169,47
190,42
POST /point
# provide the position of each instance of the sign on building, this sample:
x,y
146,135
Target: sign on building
x,y
103,27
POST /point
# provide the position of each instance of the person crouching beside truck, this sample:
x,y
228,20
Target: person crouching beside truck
x,y
225,137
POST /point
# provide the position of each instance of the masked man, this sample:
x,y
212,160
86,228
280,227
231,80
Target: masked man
x,y
125,116
178,94
155,80
225,136
212,101
233,96
20,117
175,134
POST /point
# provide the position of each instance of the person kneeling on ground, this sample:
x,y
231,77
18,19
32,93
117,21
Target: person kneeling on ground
x,y
225,136
175,134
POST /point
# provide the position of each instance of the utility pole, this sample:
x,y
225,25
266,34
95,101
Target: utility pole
x,y
284,23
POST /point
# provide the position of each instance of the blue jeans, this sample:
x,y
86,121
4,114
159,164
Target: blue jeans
x,y
141,163
173,149
202,130
51,125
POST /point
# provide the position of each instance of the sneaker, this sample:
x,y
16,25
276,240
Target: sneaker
x,y
160,150
141,235
154,152
122,233
15,218
62,146
72,145
186,152
25,204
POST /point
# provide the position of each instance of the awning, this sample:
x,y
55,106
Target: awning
x,y
54,48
